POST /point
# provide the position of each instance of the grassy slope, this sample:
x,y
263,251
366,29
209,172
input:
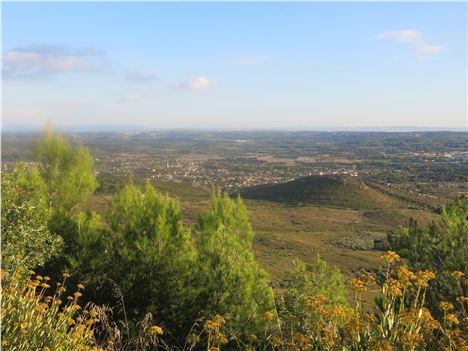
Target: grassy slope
x,y
331,191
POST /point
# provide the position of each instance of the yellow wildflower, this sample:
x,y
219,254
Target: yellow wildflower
x,y
451,319
358,285
391,257
445,306
405,276
221,339
219,320
210,325
392,287
462,299
156,330
423,277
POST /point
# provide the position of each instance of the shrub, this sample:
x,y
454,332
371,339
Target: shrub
x,y
25,216
401,322
442,248
34,319
305,281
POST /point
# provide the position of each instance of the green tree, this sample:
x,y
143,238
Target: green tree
x,y
25,215
67,171
152,257
441,247
232,283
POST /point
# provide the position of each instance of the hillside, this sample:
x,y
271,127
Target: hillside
x,y
331,191
342,236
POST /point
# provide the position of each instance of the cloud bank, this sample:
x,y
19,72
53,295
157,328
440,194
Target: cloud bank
x,y
415,39
38,61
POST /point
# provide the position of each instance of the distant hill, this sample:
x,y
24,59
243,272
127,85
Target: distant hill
x,y
333,191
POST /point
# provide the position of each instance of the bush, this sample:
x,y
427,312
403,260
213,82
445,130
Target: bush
x,y
37,319
307,280
25,216
442,248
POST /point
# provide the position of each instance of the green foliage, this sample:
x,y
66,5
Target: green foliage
x,y
318,278
67,171
85,254
441,248
232,283
152,256
25,215
306,280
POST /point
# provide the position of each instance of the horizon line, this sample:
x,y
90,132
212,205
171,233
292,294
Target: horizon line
x,y
119,128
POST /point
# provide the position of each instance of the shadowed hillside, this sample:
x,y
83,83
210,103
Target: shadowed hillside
x,y
332,191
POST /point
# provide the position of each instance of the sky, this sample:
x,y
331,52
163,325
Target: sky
x,y
235,65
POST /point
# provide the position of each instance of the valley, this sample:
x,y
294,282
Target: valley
x,y
307,193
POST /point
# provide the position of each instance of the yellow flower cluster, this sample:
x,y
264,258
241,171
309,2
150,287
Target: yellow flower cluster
x,y
402,322
156,330
391,257
37,320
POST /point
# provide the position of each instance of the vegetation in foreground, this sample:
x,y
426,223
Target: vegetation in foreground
x,y
152,283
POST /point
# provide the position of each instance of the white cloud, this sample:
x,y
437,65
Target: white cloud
x,y
45,60
430,48
251,60
424,50
401,36
199,84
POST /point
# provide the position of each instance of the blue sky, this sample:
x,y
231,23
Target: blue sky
x,y
235,65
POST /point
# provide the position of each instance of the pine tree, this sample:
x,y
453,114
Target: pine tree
x,y
232,283
152,257
67,171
